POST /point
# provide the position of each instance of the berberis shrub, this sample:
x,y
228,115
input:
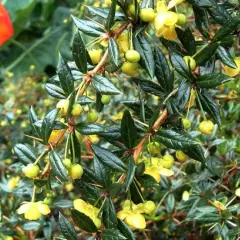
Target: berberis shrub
x,y
144,140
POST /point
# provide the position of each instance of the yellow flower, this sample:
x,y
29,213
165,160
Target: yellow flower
x,y
219,205
13,183
231,71
33,210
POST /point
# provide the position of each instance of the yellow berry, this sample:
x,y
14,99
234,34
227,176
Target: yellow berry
x,y
77,109
167,161
185,196
76,171
181,19
130,68
31,170
147,14
132,56
190,62
237,192
181,156
206,127
154,148
149,207
95,55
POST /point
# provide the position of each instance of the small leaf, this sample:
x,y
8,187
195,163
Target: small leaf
x,y
39,183
229,26
187,39
201,3
88,27
83,221
212,80
209,105
144,48
113,51
226,57
57,166
65,76
66,228
109,214
162,71
206,53
104,86
125,230
147,181
111,15
180,66
79,53
108,158
128,130
90,129
55,91
111,234
130,173
25,153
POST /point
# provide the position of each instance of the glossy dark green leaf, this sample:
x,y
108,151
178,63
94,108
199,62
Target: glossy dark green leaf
x,y
108,158
109,214
180,141
201,3
125,230
25,153
162,71
71,103
144,48
88,27
130,173
31,226
111,15
99,105
128,130
83,100
226,57
104,86
112,234
219,13
170,203
34,118
79,52
83,221
57,166
208,67
90,129
102,172
212,80
231,25
75,148
209,105
180,66
55,91
150,87
187,39
172,46
39,183
206,53
115,189
201,20
113,51
48,124
67,228
147,181
65,76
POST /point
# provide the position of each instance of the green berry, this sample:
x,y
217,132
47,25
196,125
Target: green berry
x,y
105,99
92,116
154,148
132,56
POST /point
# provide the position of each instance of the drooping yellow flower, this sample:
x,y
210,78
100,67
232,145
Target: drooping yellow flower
x,y
13,183
33,210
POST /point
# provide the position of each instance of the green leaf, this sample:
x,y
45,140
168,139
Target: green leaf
x,y
226,57
130,173
83,100
109,214
150,87
115,189
55,91
31,226
187,39
58,168
67,228
209,105
125,230
170,203
180,66
230,25
147,181
25,153
79,53
88,27
111,234
212,80
181,141
201,20
201,3
113,51
65,76
90,129
104,86
39,183
63,203
162,71
99,105
111,15
144,49
102,172
128,130
83,222
206,53
108,158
